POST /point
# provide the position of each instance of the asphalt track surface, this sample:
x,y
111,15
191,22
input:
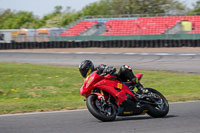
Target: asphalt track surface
x,y
180,62
182,118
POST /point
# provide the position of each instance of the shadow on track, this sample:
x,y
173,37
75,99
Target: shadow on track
x,y
146,117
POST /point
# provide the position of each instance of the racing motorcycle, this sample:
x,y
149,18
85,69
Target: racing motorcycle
x,y
107,97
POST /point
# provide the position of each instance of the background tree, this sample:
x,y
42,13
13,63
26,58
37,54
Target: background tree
x,y
102,7
20,19
58,9
60,17
196,9
117,7
53,19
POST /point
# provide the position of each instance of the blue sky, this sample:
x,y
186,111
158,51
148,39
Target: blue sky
x,y
42,7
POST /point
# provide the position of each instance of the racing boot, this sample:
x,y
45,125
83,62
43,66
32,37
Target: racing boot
x,y
141,89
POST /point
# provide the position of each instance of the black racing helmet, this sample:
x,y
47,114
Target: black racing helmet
x,y
86,67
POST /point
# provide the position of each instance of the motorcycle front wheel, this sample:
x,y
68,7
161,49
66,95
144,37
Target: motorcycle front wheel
x,y
162,107
100,110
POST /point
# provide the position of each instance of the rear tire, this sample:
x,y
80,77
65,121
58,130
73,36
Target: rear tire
x,y
92,106
161,110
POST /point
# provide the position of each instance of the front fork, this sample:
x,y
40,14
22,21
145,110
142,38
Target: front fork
x,y
104,102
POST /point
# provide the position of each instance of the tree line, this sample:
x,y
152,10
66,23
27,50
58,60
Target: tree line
x,y
62,17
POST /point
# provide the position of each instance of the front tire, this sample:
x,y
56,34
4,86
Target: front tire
x,y
160,110
103,113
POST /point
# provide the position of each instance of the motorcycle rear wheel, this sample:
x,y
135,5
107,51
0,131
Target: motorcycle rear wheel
x,y
158,110
103,113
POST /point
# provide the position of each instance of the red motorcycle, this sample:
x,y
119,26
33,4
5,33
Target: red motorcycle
x,y
107,97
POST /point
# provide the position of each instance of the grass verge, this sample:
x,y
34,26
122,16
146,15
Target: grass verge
x,y
28,88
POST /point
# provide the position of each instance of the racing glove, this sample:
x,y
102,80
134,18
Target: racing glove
x,y
109,70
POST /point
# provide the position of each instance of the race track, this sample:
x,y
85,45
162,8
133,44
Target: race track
x,y
180,62
182,118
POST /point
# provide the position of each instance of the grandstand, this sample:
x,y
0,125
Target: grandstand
x,y
78,28
137,26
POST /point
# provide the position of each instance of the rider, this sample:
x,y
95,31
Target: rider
x,y
125,73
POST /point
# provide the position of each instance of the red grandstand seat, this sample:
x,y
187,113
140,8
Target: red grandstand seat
x,y
148,25
139,26
78,28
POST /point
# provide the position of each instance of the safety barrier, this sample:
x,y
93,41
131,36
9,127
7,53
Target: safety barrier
x,y
103,44
127,37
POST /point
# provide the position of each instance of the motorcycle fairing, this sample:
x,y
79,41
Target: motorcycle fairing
x,y
88,83
139,76
107,83
109,86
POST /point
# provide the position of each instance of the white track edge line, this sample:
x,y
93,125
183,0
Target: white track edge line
x,y
114,53
68,111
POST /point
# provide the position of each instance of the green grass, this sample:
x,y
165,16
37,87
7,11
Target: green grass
x,y
27,88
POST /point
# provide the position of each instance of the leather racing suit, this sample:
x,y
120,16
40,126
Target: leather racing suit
x,y
125,74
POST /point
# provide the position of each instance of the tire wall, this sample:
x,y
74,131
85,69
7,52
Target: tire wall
x,y
102,44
